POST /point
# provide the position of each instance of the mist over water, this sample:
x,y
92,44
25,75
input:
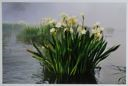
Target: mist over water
x,y
18,65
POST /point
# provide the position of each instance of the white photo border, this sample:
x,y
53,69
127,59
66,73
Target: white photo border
x,y
69,1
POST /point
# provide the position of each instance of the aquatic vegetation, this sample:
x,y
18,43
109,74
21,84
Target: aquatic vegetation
x,y
68,51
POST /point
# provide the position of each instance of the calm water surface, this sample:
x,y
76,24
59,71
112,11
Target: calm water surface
x,y
18,65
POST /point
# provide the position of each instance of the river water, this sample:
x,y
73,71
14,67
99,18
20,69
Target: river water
x,y
18,65
20,68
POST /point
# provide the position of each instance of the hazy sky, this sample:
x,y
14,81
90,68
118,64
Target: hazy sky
x,y
109,14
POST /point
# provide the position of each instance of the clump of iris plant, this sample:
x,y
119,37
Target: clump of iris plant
x,y
68,50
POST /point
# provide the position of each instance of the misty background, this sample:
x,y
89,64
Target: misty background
x,y
112,17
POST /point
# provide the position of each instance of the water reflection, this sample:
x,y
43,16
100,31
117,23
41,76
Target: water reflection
x,y
18,66
40,75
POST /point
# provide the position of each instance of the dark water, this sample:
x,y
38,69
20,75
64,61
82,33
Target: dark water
x,y
20,68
